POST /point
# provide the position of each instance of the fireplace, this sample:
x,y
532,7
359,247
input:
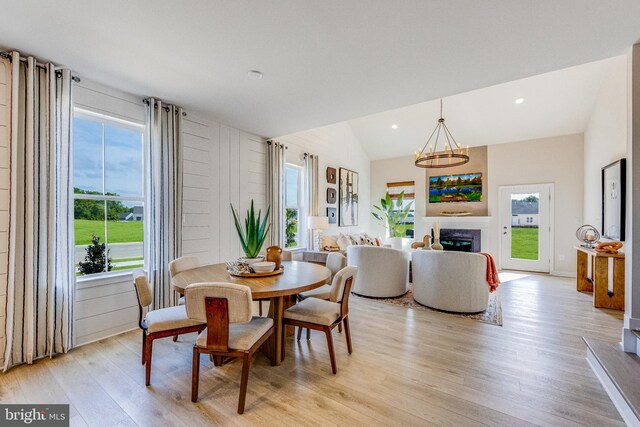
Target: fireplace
x,y
462,240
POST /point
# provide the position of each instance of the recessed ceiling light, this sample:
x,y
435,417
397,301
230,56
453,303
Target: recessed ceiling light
x,y
519,100
255,74
394,126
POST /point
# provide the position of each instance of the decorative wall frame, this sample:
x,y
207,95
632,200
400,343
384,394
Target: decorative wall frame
x,y
332,214
331,175
614,179
331,195
348,198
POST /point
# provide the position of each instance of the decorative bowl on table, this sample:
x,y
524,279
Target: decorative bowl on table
x,y
263,267
251,261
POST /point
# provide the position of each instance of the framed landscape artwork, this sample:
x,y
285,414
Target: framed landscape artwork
x,y
613,200
455,188
348,198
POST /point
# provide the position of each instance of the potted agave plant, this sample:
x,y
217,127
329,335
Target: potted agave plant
x,y
253,234
394,216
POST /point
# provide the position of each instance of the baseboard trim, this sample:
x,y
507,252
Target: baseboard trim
x,y
564,274
612,390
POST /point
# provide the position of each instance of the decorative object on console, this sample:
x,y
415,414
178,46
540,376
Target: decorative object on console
x,y
455,188
331,195
331,175
317,223
451,154
393,213
254,233
589,235
461,213
348,206
436,246
614,200
424,245
274,254
332,214
609,247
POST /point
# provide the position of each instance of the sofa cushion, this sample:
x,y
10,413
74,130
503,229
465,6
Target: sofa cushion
x,y
328,241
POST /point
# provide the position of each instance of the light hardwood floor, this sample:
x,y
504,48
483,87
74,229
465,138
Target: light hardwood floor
x,y
409,367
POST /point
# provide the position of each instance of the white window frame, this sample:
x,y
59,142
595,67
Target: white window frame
x,y
104,119
300,206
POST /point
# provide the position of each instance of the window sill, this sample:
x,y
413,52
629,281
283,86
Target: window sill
x,y
104,278
296,250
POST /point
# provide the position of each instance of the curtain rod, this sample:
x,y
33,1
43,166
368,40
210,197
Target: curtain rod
x,y
5,54
146,102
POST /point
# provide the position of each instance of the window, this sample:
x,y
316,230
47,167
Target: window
x,y
409,187
108,193
294,219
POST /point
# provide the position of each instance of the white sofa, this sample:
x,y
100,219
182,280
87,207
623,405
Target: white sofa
x,y
450,281
382,272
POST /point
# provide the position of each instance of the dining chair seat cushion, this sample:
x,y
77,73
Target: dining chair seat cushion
x,y
165,319
314,310
242,335
322,293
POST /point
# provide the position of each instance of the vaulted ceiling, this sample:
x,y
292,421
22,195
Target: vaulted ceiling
x,y
323,61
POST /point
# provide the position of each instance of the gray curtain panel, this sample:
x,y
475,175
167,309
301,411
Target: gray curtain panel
x,y
311,183
41,275
275,191
164,127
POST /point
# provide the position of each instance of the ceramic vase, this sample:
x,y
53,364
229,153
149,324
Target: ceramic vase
x,y
436,245
274,254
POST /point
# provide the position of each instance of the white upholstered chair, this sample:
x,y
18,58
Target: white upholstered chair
x,y
382,272
160,323
450,281
231,331
322,315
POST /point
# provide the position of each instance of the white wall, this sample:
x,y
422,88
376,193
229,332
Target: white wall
x,y
336,146
605,139
4,194
555,160
222,165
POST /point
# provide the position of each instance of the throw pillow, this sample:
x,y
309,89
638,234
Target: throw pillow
x,y
328,241
343,242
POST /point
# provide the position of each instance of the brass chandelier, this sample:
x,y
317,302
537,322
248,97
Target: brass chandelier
x,y
451,154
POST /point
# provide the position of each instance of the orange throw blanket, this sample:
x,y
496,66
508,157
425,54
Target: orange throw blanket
x,y
492,273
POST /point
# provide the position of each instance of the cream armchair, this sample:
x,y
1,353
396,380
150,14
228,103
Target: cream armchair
x,y
382,272
450,281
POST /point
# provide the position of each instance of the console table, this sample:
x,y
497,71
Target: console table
x,y
603,275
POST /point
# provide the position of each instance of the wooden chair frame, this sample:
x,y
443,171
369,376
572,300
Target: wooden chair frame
x,y
149,337
343,319
217,310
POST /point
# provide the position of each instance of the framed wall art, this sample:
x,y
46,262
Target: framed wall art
x,y
348,198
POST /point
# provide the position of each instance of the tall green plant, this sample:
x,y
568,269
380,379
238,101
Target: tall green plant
x,y
393,214
254,232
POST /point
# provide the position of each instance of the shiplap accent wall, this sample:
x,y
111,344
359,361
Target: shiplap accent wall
x,y
221,165
4,195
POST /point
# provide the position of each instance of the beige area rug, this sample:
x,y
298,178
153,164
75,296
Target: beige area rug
x,y
492,315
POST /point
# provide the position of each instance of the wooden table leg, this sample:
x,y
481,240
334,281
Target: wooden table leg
x,y
584,283
272,348
602,297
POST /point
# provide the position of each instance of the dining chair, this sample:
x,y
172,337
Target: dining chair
x,y
335,262
160,323
232,330
181,264
322,315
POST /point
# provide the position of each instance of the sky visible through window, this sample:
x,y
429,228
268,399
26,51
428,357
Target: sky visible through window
x,y
122,158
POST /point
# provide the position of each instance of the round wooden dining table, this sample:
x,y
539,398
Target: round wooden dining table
x,y
280,289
